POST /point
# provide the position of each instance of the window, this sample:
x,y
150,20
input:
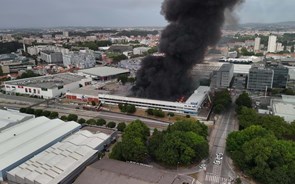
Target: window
x,y
30,90
26,89
44,89
34,90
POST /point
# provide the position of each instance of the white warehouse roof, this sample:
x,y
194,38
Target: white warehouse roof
x,y
21,141
104,71
60,160
8,117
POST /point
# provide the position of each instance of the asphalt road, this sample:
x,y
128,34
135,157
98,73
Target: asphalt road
x,y
224,124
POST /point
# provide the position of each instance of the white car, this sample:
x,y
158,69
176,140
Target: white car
x,y
219,158
219,154
217,162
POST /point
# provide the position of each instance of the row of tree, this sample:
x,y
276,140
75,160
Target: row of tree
x,y
222,101
182,143
73,117
157,113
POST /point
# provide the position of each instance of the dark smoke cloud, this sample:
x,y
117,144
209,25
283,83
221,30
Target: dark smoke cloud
x,y
194,25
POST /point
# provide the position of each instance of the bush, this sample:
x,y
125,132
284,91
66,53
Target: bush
x,y
121,127
46,113
64,118
127,108
188,116
30,111
38,112
81,121
159,113
23,110
91,122
171,114
101,122
93,103
150,112
53,115
111,124
72,117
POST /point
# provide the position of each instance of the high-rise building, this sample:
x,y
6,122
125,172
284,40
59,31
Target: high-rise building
x,y
223,77
260,78
66,34
280,47
257,44
272,43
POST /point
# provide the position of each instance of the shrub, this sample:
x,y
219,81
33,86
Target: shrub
x,y
64,118
91,122
53,115
171,114
81,121
46,113
23,110
111,124
93,103
38,112
101,122
121,127
72,117
30,111
150,112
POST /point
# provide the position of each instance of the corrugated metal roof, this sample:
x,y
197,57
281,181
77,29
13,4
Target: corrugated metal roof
x,y
57,162
23,139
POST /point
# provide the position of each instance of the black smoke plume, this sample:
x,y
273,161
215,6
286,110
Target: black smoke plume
x,y
193,26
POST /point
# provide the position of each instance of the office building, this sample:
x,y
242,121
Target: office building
x,y
21,142
47,86
260,78
191,106
223,77
257,44
51,57
272,43
281,75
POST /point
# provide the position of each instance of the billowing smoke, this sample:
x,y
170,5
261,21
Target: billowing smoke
x,y
193,26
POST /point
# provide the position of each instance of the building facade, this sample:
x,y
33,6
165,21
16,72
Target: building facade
x,y
272,43
257,44
79,60
260,78
280,78
51,57
223,77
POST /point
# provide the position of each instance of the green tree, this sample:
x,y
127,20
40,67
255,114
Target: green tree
x,y
130,109
244,100
23,110
72,117
91,122
101,122
81,121
123,79
30,111
171,114
38,112
53,115
150,112
93,103
121,126
46,113
111,124
64,118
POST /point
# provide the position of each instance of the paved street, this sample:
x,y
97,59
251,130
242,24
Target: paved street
x,y
225,124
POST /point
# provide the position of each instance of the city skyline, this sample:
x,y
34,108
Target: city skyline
x,y
121,13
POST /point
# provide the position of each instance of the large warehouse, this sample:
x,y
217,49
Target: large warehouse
x,y
191,106
22,141
10,118
284,107
62,162
103,73
47,86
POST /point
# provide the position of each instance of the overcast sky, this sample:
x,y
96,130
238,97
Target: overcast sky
x,y
50,13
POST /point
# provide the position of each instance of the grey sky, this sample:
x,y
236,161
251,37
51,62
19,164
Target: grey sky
x,y
48,13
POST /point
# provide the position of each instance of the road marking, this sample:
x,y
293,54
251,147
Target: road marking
x,y
216,179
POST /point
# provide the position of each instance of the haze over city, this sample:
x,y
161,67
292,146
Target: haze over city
x,y
121,13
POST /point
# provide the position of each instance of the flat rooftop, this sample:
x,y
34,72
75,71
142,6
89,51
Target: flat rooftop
x,y
116,172
198,96
104,71
11,117
49,82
